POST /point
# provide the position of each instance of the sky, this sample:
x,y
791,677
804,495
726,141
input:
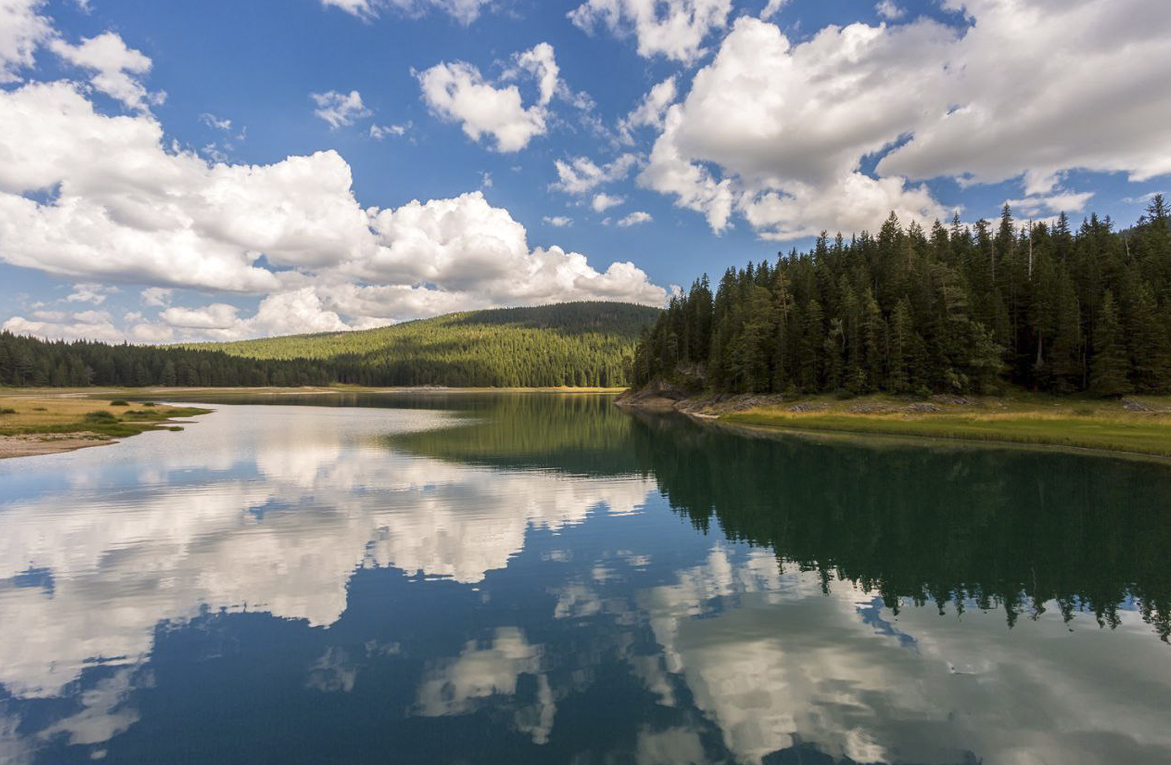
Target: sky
x,y
223,169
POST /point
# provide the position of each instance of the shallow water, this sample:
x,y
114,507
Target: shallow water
x,y
529,578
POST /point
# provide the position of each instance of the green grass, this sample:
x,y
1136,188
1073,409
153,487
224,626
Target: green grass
x,y
1084,427
104,423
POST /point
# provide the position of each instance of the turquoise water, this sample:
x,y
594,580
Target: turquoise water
x,y
529,578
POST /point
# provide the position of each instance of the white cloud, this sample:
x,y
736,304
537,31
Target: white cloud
x,y
1033,87
22,30
463,11
213,121
540,63
670,172
778,132
674,29
559,221
91,326
339,109
888,10
87,293
1061,201
156,296
378,132
651,110
581,174
459,93
635,219
128,210
215,316
117,68
772,8
603,202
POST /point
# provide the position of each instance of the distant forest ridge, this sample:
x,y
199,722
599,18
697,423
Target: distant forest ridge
x,y
570,344
954,309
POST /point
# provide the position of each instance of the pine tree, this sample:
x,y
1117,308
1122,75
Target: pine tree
x,y
1110,362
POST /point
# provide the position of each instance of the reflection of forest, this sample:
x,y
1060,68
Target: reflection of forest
x,y
1017,529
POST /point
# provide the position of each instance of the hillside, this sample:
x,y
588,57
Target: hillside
x,y
582,344
575,344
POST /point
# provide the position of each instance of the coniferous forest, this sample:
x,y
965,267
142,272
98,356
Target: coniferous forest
x,y
955,309
572,344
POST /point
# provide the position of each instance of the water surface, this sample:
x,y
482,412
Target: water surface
x,y
539,578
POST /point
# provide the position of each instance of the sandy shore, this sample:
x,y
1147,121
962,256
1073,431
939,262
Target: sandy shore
x,y
49,443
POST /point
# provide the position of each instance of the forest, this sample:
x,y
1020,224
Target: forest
x,y
960,309
572,344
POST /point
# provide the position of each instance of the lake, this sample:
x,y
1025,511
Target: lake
x,y
472,578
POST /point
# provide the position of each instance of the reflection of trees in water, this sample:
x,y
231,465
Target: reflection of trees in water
x,y
578,434
990,527
1016,529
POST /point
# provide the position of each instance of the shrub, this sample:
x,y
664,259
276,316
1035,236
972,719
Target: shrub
x,y
100,417
119,402
7,411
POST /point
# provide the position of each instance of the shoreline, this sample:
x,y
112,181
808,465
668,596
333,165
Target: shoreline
x,y
1136,426
34,423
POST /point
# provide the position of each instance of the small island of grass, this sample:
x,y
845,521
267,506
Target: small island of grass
x,y
32,425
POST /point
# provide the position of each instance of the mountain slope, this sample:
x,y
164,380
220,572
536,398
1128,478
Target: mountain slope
x,y
583,344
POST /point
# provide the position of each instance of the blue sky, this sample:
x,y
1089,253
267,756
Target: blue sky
x,y
191,170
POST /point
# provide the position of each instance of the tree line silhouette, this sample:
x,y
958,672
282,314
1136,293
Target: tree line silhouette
x,y
954,309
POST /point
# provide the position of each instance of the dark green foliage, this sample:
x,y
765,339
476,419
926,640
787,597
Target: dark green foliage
x,y
100,417
964,310
575,344
119,402
7,410
572,344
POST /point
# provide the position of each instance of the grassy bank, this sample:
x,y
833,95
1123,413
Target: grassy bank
x,y
1141,425
40,424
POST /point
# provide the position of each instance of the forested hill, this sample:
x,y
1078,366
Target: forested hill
x,y
956,308
578,344
575,344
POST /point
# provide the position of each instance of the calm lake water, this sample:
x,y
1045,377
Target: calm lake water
x,y
529,578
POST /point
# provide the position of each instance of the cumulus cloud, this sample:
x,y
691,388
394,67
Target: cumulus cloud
x,y
1058,202
674,29
888,10
463,11
339,109
116,68
92,326
22,30
652,108
87,293
129,210
603,202
778,132
560,221
458,92
579,175
1035,85
635,218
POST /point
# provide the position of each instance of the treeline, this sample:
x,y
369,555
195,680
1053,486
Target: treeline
x,y
26,361
580,344
585,344
957,309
